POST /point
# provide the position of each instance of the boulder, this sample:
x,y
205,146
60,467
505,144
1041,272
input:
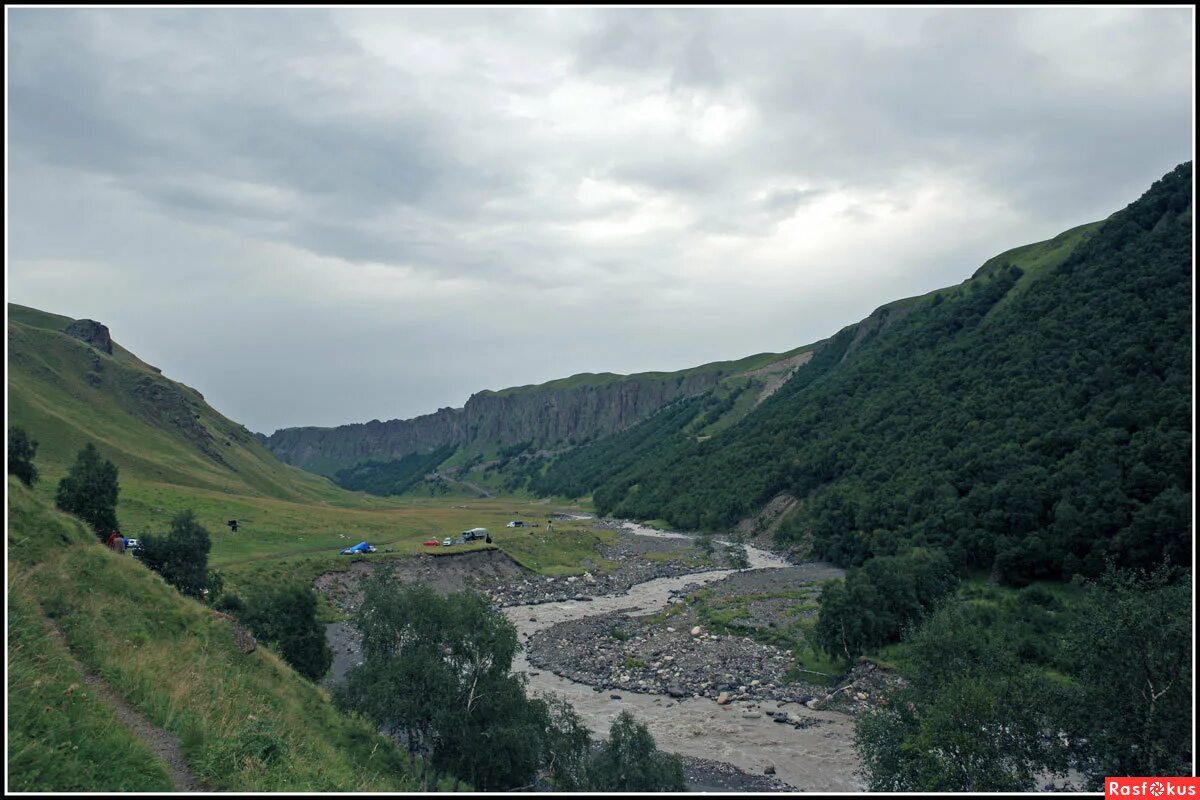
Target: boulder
x,y
723,699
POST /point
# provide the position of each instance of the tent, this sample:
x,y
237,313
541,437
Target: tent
x,y
361,547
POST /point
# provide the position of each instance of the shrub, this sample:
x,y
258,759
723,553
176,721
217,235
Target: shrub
x,y
630,761
21,450
287,619
181,557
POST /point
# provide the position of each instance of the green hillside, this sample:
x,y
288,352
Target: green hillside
x,y
1034,419
66,393
244,721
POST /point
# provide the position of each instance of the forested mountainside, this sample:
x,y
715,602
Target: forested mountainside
x,y
552,415
1035,419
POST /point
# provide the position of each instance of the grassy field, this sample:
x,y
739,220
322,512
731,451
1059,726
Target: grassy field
x,y
175,452
246,720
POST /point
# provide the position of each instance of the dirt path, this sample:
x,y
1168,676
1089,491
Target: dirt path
x,y
474,487
161,742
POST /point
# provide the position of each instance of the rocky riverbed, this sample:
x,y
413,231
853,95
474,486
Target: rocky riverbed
x,y
638,558
676,654
751,744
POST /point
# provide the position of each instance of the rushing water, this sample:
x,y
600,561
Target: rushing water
x,y
819,758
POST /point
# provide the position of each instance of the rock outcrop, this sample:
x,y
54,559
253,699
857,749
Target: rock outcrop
x,y
91,332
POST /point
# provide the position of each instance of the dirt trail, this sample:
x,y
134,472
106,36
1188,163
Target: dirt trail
x,y
474,487
161,742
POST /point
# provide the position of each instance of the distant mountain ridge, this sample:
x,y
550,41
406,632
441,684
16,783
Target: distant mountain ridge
x,y
559,413
582,408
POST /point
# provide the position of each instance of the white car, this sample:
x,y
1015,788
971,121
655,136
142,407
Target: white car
x,y
446,542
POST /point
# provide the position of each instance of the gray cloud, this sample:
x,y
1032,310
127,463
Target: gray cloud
x,y
453,199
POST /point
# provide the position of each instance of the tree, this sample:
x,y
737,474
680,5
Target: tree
x,y
181,556
286,618
875,604
568,747
1131,651
436,672
973,718
21,450
630,761
89,491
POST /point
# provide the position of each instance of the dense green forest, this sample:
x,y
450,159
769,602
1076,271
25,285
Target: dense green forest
x,y
391,477
1035,432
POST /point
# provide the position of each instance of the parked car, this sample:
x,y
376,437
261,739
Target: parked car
x,y
516,523
446,542
431,543
473,534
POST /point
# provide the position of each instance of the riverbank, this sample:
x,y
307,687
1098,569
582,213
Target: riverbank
x,y
811,751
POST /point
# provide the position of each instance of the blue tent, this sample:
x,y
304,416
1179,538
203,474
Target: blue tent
x,y
361,547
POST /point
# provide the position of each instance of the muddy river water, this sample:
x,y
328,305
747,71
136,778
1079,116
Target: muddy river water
x,y
817,758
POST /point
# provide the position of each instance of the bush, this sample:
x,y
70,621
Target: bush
x,y
875,604
630,761
736,553
181,557
286,618
21,450
973,717
89,491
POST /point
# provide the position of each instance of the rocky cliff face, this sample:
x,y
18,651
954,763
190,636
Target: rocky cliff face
x,y
546,416
92,332
552,416
326,450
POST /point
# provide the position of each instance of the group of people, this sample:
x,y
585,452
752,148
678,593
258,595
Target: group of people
x,y
116,542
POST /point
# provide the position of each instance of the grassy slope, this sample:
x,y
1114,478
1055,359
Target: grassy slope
x,y
246,721
602,379
66,393
61,737
290,519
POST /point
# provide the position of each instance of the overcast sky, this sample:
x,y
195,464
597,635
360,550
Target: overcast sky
x,y
321,217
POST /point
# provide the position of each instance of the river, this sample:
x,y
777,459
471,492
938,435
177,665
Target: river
x,y
818,758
